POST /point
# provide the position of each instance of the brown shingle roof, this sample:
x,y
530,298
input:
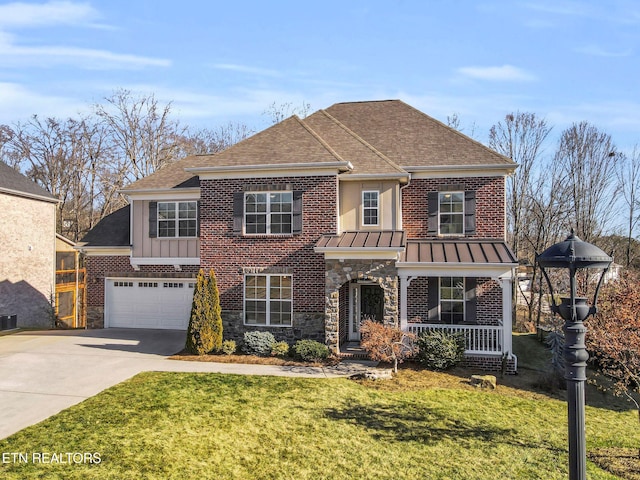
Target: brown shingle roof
x,y
458,251
411,138
350,147
377,137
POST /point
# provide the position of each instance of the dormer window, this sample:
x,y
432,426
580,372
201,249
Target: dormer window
x,y
370,207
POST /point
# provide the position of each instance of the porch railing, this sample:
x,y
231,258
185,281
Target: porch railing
x,y
479,339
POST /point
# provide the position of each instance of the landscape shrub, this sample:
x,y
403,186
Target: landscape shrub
x,y
229,347
204,333
385,343
280,349
258,343
439,350
310,350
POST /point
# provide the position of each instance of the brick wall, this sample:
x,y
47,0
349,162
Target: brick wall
x,y
228,253
101,267
27,263
490,213
488,298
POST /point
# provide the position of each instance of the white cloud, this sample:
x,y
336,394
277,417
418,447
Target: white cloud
x,y
598,51
15,55
19,14
18,103
505,73
247,69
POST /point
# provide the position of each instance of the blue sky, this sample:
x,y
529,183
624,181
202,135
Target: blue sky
x,y
221,61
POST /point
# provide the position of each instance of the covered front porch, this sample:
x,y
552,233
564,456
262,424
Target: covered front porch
x,y
462,286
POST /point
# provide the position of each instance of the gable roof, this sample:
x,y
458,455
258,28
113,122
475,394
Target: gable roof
x,y
111,231
384,138
412,138
14,183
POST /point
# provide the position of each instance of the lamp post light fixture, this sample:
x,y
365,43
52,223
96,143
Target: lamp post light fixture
x,y
573,254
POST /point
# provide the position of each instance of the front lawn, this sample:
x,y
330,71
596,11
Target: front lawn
x,y
211,426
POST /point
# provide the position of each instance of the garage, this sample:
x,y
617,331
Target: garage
x,y
148,303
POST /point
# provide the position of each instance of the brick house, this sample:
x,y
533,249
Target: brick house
x,y
28,239
363,210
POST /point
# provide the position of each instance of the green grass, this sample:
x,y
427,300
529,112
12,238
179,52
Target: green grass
x,y
210,426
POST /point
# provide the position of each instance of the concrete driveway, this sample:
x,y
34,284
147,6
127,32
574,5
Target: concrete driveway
x,y
44,372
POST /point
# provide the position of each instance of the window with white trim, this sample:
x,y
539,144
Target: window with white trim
x,y
452,299
268,300
268,213
451,213
177,219
370,207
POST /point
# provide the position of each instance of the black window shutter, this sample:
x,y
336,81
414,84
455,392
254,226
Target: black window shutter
x,y
198,218
470,212
470,300
433,299
432,205
153,219
297,212
238,212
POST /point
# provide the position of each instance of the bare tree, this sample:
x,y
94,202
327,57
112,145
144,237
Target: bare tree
x,y
628,176
587,157
206,140
142,132
278,113
520,137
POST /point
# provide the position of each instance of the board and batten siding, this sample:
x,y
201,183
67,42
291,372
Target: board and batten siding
x,y
351,205
144,246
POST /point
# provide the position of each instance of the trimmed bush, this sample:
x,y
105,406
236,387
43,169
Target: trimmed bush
x,y
439,350
280,349
311,351
204,333
229,347
258,343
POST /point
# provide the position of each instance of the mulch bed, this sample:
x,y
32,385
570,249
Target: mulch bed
x,y
623,462
252,360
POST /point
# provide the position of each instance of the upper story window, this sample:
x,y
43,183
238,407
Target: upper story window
x,y
451,213
370,207
452,299
268,213
177,219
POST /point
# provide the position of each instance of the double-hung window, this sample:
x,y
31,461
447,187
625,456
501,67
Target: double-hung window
x,y
452,299
177,219
267,300
268,213
451,213
370,207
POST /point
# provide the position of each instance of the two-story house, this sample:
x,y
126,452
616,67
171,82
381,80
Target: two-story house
x,y
363,210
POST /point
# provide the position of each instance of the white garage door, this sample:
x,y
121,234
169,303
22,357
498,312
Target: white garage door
x,y
148,303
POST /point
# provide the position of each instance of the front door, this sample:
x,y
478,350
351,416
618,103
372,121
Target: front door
x,y
367,303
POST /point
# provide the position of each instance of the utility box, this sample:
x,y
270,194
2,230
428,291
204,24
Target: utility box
x,y
8,322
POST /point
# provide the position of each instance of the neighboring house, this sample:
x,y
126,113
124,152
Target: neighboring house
x,y
362,210
28,240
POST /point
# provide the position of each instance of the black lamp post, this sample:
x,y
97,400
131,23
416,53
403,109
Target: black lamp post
x,y
574,254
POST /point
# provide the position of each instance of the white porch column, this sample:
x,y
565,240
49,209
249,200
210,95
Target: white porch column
x,y
507,327
404,284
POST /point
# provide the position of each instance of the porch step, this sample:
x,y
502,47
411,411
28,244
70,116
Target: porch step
x,y
353,350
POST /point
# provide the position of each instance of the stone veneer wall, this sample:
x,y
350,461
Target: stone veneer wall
x,y
305,326
383,273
